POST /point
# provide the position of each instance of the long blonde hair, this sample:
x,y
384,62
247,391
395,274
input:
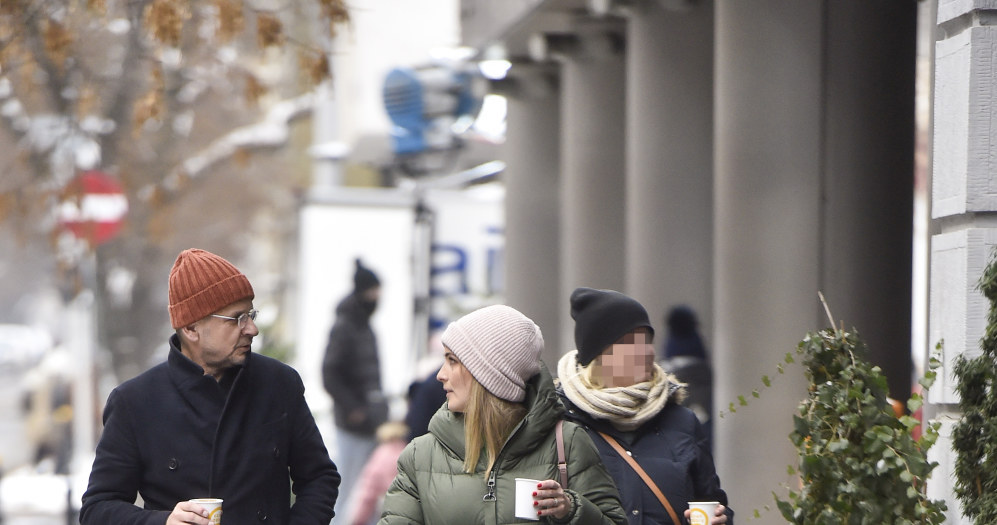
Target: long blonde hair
x,y
488,421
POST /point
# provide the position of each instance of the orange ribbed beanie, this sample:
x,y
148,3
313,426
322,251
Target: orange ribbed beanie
x,y
202,283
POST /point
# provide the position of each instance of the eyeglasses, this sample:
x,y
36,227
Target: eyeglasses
x,y
242,319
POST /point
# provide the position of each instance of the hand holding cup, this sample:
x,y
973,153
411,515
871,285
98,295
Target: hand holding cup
x,y
706,513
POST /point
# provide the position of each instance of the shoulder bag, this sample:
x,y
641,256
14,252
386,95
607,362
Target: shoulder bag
x,y
643,475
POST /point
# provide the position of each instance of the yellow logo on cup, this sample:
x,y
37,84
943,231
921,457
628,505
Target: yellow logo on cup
x,y
214,508
698,517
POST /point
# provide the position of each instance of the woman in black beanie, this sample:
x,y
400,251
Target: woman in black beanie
x,y
631,408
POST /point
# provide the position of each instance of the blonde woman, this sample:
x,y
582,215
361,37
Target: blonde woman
x,y
632,410
498,424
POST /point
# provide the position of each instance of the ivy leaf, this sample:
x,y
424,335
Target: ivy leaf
x,y
786,510
837,445
914,403
909,422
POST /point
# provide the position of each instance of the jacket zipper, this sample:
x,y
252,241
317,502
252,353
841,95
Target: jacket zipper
x,y
490,495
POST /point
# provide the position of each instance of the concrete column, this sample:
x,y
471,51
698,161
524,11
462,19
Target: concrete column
x,y
963,206
814,191
669,190
592,170
767,223
532,155
868,186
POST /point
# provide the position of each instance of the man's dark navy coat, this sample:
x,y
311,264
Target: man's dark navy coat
x,y
173,434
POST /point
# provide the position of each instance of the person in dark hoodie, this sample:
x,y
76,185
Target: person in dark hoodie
x,y
632,409
684,355
351,374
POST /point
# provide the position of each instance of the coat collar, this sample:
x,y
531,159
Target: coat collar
x,y
185,373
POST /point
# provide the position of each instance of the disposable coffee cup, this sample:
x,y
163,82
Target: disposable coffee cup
x,y
213,506
524,499
701,512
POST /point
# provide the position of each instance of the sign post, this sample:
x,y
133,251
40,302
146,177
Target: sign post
x,y
93,211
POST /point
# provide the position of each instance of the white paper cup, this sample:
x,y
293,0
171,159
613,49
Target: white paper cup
x,y
213,506
524,499
702,512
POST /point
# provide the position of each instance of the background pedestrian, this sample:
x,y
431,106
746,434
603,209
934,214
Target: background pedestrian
x,y
351,374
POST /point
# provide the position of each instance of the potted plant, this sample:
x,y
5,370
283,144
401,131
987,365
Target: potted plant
x,y
858,461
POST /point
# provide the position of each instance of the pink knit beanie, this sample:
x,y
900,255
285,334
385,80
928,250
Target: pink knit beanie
x,y
499,346
202,283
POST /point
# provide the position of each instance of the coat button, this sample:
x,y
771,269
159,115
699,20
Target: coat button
x,y
635,512
276,453
630,453
262,516
172,464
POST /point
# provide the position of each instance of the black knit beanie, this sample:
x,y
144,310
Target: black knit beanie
x,y
364,279
683,337
601,318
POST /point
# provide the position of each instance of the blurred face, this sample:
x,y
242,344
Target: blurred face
x,y
218,344
456,381
628,361
372,294
369,298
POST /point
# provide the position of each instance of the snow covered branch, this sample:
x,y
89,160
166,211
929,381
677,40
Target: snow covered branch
x,y
272,130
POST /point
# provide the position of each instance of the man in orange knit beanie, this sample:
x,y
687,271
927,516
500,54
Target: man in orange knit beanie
x,y
213,421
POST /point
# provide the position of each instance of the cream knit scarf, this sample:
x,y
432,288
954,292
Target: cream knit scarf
x,y
626,408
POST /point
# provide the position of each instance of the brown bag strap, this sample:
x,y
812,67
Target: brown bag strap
x,y
643,475
562,465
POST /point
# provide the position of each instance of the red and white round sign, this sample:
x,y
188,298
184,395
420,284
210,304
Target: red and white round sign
x,y
98,211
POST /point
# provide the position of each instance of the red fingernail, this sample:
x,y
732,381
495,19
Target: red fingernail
x,y
540,485
535,504
540,513
534,493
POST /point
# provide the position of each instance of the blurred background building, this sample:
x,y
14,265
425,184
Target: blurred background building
x,y
740,157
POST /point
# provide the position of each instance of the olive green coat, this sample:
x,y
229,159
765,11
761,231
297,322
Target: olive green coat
x,y
432,488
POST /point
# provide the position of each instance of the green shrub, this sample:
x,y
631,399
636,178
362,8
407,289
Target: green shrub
x,y
858,462
974,436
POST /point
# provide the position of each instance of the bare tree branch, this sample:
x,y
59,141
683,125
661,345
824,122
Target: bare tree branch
x,y
273,130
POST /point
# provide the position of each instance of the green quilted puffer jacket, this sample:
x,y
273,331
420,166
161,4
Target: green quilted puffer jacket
x,y
432,488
